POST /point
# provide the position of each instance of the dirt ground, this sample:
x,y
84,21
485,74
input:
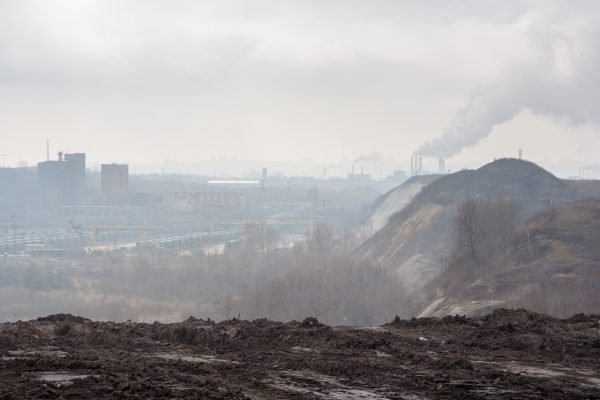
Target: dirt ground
x,y
508,354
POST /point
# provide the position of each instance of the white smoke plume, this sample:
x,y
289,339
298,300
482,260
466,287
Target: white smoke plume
x,y
558,78
367,158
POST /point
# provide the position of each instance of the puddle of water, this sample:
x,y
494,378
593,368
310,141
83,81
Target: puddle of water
x,y
535,371
304,349
326,387
594,381
44,352
291,388
373,328
578,371
354,394
202,358
59,378
582,374
524,369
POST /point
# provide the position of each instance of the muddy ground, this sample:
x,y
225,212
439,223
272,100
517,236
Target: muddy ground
x,y
508,354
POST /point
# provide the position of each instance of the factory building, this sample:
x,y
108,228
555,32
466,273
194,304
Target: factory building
x,y
360,178
62,181
114,180
416,166
198,201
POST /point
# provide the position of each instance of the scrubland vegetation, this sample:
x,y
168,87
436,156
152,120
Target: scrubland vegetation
x,y
507,235
548,264
258,279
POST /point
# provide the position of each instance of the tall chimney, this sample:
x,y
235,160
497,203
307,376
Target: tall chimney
x,y
520,154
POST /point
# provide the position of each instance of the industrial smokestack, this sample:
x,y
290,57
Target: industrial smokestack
x,y
520,154
415,165
420,165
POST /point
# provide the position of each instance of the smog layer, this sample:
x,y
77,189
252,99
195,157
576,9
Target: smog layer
x,y
509,234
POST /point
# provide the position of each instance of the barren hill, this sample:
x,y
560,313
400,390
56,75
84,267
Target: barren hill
x,y
416,239
555,269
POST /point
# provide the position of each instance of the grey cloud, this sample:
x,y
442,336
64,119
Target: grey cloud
x,y
280,74
369,158
560,80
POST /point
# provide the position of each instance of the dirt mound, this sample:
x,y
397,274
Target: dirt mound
x,y
509,354
522,330
64,318
581,317
518,330
311,322
519,317
431,322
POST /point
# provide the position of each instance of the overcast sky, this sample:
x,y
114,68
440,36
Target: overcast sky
x,y
145,81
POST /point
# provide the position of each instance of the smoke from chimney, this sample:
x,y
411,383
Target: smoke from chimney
x,y
558,79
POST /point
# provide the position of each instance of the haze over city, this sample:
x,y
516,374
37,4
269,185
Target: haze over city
x,y
324,82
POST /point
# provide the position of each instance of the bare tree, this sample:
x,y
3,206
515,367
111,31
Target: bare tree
x,y
484,230
320,238
467,230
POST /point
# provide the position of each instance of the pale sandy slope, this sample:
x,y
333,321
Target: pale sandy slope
x,y
393,202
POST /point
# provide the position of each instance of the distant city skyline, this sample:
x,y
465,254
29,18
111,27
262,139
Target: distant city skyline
x,y
223,167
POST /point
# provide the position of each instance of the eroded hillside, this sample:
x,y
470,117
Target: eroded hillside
x,y
393,202
554,268
416,240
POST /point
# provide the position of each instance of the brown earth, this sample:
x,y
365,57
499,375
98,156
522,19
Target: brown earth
x,y
508,354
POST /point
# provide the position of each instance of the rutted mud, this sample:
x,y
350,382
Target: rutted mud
x,y
509,354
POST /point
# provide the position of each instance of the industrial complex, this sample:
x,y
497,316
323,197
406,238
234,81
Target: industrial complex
x,y
63,207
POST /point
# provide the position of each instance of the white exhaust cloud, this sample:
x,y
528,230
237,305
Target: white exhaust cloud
x,y
558,78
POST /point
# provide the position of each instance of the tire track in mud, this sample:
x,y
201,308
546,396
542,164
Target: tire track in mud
x,y
508,354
